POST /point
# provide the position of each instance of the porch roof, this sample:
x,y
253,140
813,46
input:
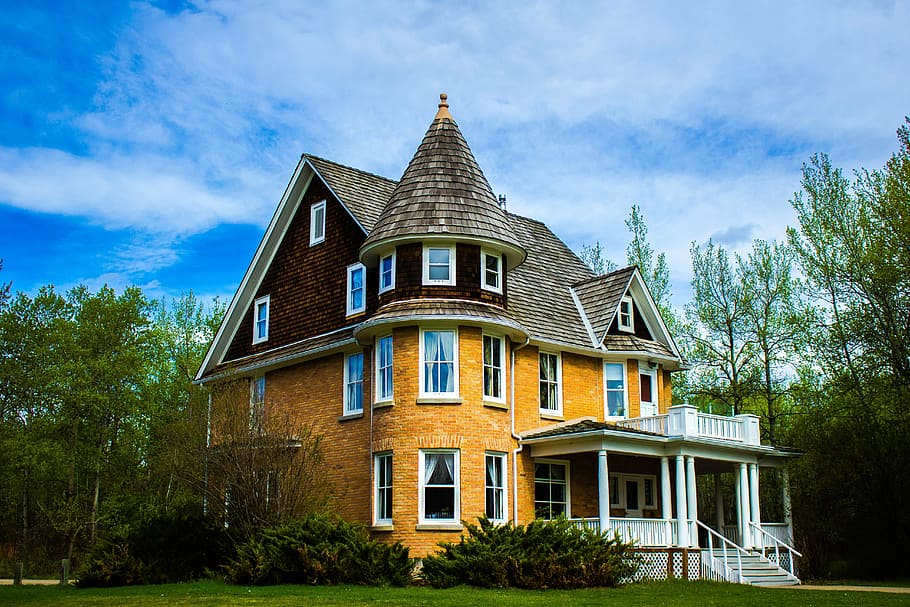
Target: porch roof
x,y
588,434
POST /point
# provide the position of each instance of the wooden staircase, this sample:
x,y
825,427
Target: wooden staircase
x,y
756,570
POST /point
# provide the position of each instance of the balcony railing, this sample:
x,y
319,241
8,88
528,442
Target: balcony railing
x,y
687,421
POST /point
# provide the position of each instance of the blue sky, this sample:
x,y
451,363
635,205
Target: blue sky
x,y
148,143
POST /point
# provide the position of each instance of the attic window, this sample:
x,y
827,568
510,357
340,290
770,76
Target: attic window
x,y
261,320
626,317
317,223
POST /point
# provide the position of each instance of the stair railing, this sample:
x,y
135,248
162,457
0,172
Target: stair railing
x,y
778,545
729,574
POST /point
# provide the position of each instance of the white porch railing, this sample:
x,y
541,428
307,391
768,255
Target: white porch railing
x,y
721,567
656,424
720,427
779,531
646,532
687,421
772,548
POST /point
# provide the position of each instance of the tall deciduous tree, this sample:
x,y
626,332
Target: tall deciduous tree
x,y
653,269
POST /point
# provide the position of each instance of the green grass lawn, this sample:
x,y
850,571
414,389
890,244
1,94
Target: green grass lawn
x,y
662,594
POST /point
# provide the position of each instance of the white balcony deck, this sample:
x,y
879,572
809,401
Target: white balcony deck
x,y
687,421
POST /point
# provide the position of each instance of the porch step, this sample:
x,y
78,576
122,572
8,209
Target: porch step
x,y
757,570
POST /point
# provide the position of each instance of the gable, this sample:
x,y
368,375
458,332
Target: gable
x,y
292,275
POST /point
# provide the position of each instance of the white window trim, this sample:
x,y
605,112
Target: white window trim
x,y
377,520
423,393
502,372
625,390
503,458
266,299
379,396
628,328
314,209
558,409
644,369
257,407
345,410
392,285
421,471
349,309
620,500
483,270
546,460
426,265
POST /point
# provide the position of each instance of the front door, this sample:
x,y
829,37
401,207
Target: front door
x,y
648,384
633,498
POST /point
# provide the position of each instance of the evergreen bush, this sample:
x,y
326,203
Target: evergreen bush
x,y
319,549
174,546
543,554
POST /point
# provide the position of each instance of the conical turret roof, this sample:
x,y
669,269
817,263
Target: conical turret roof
x,y
443,195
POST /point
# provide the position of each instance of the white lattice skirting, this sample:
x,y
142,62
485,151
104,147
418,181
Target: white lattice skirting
x,y
661,564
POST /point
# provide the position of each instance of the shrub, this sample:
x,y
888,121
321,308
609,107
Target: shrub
x,y
543,554
175,546
319,549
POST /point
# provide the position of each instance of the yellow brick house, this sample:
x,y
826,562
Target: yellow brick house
x,y
460,361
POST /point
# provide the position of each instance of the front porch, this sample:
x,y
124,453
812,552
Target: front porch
x,y
646,489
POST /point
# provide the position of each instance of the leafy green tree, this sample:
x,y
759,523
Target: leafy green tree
x,y
594,258
653,269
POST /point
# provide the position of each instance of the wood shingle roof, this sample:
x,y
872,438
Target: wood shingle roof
x,y
444,193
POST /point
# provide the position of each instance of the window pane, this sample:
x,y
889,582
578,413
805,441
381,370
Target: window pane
x,y
646,388
439,503
439,256
439,272
615,404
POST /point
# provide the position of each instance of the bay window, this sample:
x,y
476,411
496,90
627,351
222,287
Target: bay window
x,y
439,490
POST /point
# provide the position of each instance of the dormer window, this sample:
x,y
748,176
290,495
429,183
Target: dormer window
x,y
439,265
387,272
356,289
491,271
261,320
626,317
317,223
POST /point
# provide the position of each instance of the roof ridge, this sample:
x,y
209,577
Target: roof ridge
x,y
345,166
600,277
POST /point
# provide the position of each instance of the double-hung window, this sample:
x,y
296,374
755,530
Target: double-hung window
x,y
382,469
551,489
490,271
384,384
439,265
353,384
257,403
615,389
317,223
492,368
439,480
356,296
549,383
626,315
261,319
387,273
495,485
438,359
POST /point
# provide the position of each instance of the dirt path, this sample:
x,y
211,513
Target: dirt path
x,y
9,582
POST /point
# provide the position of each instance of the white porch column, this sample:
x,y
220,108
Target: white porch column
x,y
785,498
681,512
753,501
666,510
719,502
691,498
744,509
603,490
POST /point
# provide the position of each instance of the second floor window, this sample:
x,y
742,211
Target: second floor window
x,y
257,403
353,384
492,367
384,384
438,358
549,383
615,378
261,320
356,289
386,273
